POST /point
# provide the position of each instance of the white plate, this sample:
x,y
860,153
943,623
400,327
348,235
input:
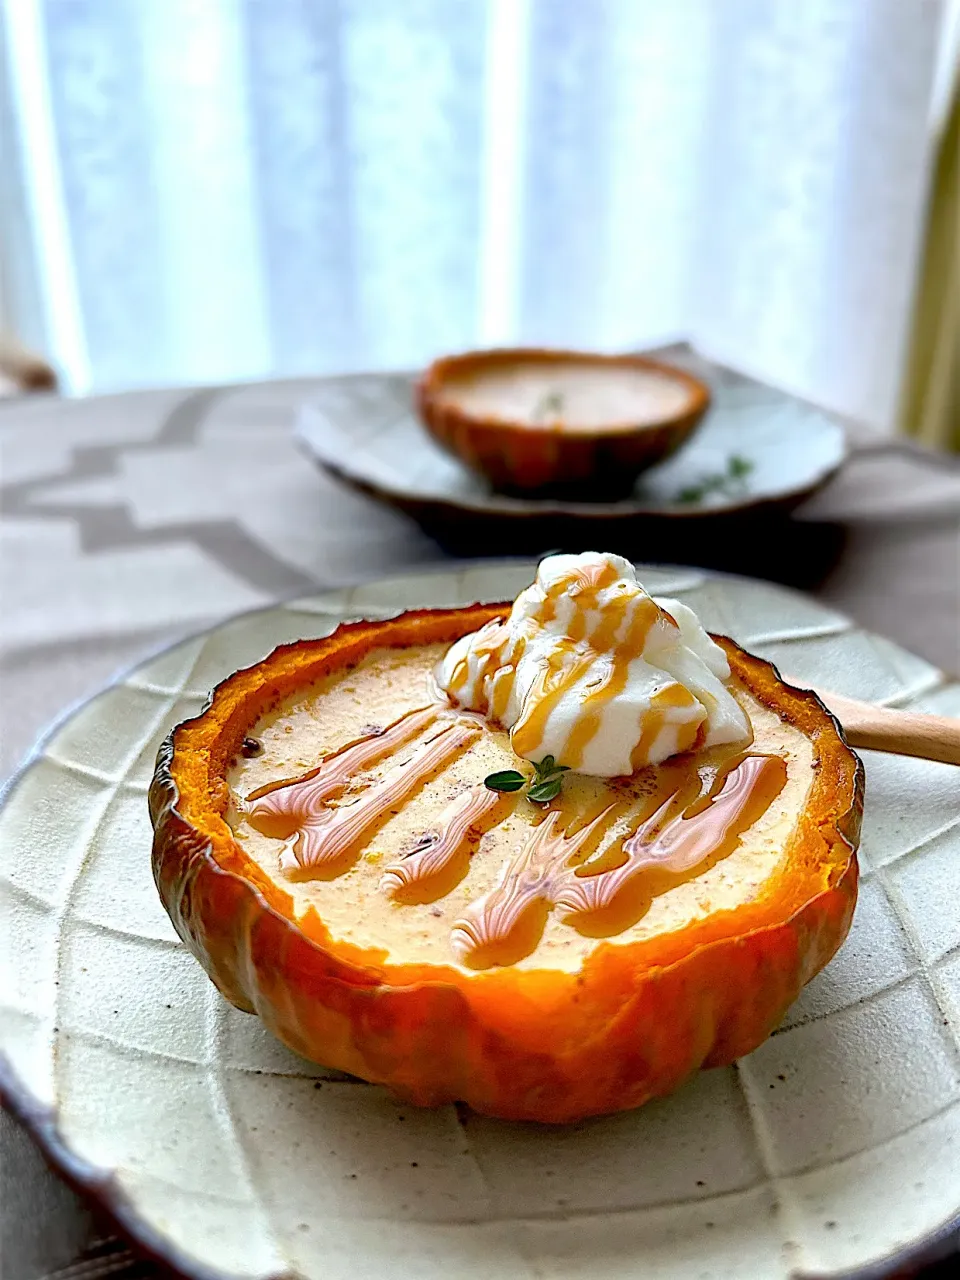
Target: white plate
x,y
832,1148
364,431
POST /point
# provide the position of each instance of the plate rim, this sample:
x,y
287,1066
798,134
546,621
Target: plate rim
x,y
101,1187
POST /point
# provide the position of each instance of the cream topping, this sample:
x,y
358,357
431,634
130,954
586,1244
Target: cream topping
x,y
590,669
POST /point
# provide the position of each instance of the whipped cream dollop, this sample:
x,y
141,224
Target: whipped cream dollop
x,y
590,669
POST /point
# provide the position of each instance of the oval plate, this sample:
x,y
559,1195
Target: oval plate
x,y
757,451
829,1151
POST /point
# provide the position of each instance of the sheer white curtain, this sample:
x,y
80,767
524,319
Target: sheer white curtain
x,y
222,189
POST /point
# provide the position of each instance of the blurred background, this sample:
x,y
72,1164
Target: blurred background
x,y
201,193
198,191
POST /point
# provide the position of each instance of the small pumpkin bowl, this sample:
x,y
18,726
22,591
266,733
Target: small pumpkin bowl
x,y
546,1038
559,423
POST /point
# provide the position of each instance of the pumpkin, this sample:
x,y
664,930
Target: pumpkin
x,y
517,1042
600,460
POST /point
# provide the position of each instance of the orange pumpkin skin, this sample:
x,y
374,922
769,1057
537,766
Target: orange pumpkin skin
x,y
520,1044
517,458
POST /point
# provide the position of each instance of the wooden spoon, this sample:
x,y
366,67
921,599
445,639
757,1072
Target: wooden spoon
x,y
907,733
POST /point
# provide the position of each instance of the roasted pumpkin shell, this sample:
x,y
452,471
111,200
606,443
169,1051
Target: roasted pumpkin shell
x,y
600,462
522,1044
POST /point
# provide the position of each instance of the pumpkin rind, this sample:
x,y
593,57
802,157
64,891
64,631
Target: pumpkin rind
x,y
546,1045
515,457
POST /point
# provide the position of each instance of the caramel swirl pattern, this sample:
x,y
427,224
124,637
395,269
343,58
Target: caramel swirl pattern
x,y
327,817
441,857
324,838
548,873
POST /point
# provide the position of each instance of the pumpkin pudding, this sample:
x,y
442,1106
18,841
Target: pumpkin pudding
x,y
376,842
564,422
571,395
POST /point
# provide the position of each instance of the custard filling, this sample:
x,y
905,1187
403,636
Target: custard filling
x,y
363,797
577,396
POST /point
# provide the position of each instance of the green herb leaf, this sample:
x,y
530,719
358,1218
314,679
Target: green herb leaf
x,y
505,780
544,786
544,792
693,493
548,767
730,482
550,405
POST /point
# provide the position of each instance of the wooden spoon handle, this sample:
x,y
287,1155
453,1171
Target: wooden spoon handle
x,y
907,733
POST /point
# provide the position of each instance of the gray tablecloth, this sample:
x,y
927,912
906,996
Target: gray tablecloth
x,y
128,521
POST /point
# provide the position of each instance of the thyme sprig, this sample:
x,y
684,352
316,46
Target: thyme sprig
x,y
731,482
544,786
548,407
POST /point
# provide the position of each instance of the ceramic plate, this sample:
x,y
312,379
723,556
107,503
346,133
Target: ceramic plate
x,y
832,1149
363,430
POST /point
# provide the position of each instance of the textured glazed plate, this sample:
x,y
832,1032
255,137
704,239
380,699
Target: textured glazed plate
x,y
833,1149
364,431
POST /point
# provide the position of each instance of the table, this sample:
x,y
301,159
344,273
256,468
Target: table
x,y
129,521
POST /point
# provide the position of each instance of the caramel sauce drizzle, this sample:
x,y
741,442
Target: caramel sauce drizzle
x,y
560,673
334,774
441,857
689,735
604,904
487,653
507,924
324,839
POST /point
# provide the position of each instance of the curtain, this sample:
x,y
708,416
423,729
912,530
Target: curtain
x,y
930,409
222,189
